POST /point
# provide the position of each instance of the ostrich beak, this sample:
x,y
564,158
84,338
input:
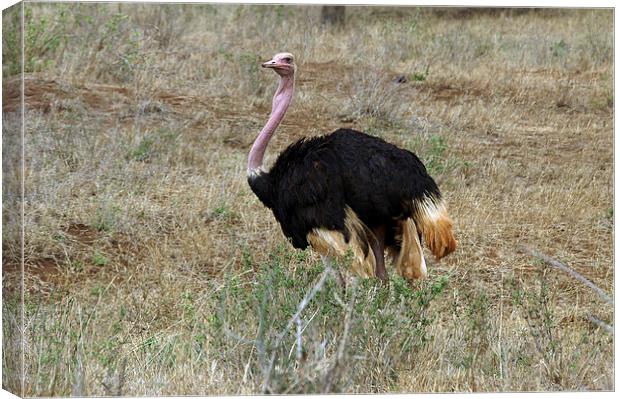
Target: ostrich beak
x,y
269,64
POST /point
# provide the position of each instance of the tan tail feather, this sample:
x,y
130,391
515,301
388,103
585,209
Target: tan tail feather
x,y
410,262
436,228
332,243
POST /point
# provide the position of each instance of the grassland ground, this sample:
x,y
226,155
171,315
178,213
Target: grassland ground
x,y
151,268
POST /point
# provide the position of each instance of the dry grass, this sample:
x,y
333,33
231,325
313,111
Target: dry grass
x,y
151,268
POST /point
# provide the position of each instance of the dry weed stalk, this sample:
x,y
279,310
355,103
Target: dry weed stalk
x,y
336,370
267,373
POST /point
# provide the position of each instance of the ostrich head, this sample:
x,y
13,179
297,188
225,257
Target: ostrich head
x,y
282,63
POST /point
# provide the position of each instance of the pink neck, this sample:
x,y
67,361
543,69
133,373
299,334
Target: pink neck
x,y
281,100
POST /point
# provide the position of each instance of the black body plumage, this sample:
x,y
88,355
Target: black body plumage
x,y
315,178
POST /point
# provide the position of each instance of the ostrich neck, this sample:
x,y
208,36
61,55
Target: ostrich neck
x,y
281,100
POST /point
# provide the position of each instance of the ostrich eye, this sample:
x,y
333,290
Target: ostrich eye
x,y
287,60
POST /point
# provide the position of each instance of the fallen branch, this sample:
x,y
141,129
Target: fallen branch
x,y
557,264
595,320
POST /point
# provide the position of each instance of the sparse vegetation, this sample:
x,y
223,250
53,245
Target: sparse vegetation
x,y
383,326
43,34
420,76
151,268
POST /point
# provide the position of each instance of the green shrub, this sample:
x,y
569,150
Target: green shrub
x,y
341,334
43,36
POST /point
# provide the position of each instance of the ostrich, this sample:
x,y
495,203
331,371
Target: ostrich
x,y
348,191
